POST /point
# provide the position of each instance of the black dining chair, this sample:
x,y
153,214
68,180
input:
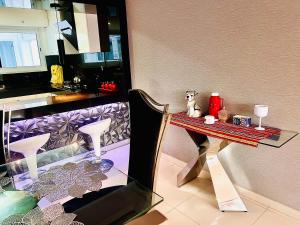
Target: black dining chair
x,y
148,124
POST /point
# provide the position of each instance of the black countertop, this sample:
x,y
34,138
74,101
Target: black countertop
x,y
23,91
46,100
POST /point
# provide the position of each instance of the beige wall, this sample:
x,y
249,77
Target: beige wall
x,y
249,51
16,17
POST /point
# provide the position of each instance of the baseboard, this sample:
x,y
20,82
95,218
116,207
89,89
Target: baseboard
x,y
247,194
281,208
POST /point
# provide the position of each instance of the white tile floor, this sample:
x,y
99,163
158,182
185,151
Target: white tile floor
x,y
194,203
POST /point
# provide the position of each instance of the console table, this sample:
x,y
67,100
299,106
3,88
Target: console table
x,y
211,139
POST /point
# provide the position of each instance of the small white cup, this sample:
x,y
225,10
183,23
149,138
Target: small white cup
x,y
209,119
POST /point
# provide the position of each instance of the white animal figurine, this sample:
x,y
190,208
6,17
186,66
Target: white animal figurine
x,y
193,110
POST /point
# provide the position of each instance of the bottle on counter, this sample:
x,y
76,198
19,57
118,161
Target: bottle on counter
x,y
114,86
106,86
102,85
110,86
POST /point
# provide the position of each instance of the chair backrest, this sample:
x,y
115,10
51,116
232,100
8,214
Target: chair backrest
x,y
148,125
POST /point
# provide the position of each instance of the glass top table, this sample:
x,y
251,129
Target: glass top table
x,y
72,191
278,140
271,136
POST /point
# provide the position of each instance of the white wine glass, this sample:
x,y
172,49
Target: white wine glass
x,y
260,111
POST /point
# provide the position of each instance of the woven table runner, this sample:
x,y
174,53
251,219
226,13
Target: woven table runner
x,y
228,131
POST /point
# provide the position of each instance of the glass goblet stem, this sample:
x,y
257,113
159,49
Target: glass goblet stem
x,y
260,122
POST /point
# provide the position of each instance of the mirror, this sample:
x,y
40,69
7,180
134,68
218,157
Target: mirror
x,y
86,22
29,34
26,35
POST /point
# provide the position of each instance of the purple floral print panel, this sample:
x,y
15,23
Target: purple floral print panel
x,y
63,127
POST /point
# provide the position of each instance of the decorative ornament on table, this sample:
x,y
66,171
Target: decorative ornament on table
x,y
241,120
223,115
193,110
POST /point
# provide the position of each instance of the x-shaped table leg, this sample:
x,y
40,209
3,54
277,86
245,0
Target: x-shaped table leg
x,y
227,197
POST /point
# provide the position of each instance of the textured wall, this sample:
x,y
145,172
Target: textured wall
x,y
249,51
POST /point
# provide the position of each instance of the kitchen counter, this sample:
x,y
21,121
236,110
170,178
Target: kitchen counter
x,y
49,97
33,108
23,91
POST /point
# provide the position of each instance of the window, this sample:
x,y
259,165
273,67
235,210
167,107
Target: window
x,y
115,53
16,3
115,48
93,57
19,50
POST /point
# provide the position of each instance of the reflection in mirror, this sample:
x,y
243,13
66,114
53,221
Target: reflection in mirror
x,y
16,3
113,20
23,42
115,48
115,53
28,35
19,50
25,4
87,30
93,57
66,24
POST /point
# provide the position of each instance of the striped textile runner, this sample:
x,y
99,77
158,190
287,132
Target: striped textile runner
x,y
228,131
